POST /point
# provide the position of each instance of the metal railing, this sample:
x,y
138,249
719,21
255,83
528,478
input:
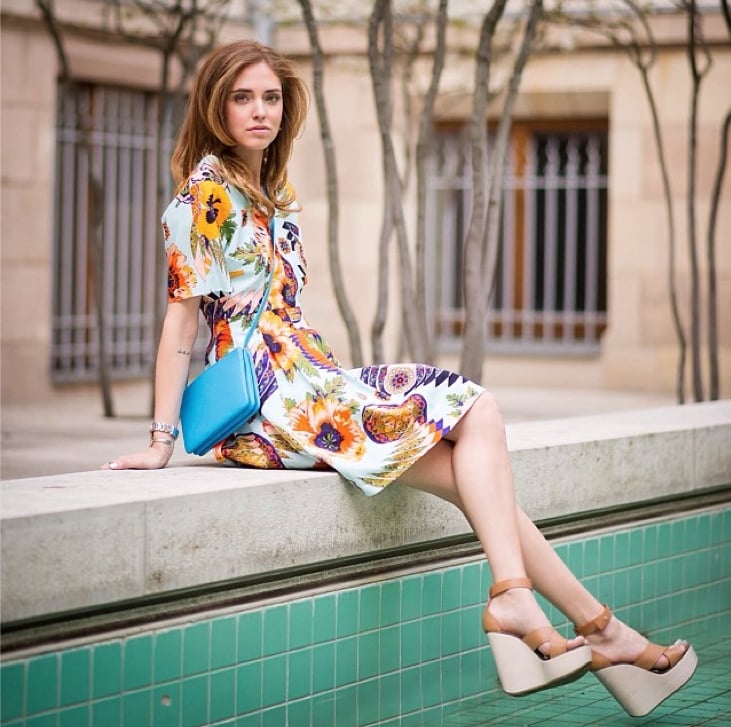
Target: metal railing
x,y
106,182
549,294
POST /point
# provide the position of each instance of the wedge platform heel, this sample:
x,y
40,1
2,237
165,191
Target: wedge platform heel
x,y
521,667
640,691
522,671
641,686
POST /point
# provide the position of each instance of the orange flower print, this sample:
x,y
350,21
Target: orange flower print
x,y
181,277
261,233
328,425
222,337
280,343
211,208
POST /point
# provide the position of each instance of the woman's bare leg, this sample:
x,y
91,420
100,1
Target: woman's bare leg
x,y
554,580
472,471
458,470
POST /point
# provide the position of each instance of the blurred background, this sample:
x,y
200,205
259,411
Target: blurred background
x,y
534,194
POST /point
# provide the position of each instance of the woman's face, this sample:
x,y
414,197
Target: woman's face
x,y
254,109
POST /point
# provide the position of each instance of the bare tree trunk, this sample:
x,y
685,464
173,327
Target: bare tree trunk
x,y
181,30
714,383
497,176
670,214
387,222
95,216
411,54
378,324
379,319
162,173
423,149
331,176
726,14
636,48
643,66
475,289
714,375
695,303
380,65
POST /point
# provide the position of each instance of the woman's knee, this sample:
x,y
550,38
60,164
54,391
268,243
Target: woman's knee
x,y
485,416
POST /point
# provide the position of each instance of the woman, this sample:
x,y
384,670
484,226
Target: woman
x,y
417,425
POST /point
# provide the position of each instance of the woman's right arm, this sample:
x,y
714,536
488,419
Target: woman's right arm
x,y
171,375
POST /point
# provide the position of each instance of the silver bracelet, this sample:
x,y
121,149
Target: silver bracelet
x,y
169,442
170,429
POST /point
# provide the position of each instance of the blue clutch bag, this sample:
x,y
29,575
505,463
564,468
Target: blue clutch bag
x,y
226,394
218,401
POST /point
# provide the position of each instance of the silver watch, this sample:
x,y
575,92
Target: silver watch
x,y
170,429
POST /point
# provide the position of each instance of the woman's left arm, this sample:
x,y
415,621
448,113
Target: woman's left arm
x,y
179,331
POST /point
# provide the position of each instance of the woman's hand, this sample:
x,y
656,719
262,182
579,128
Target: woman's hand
x,y
155,457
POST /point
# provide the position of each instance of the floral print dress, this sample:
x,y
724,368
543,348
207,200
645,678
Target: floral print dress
x,y
370,424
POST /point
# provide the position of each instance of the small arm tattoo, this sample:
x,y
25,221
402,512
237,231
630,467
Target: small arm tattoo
x,y
184,352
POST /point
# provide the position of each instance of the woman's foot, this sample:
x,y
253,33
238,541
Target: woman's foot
x,y
621,644
529,654
638,674
518,613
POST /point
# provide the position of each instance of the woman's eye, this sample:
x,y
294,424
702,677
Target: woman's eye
x,y
273,98
240,97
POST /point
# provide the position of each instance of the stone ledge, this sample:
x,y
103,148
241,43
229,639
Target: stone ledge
x,y
90,538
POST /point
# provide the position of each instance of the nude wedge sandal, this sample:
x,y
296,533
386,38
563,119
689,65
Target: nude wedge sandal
x,y
521,667
638,686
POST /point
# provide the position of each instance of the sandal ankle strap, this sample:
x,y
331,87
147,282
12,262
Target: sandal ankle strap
x,y
597,624
501,586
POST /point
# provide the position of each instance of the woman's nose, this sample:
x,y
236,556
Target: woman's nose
x,y
259,108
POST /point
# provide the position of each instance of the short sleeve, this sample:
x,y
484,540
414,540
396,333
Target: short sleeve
x,y
197,226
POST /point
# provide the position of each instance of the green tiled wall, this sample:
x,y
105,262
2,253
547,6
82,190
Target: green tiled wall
x,y
384,653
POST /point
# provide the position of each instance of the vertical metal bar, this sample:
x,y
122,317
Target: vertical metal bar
x,y
57,254
592,235
125,182
111,220
151,240
136,241
81,334
430,245
571,243
464,180
65,230
529,241
550,238
96,140
450,226
506,311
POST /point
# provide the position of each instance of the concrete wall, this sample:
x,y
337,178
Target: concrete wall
x,y
639,350
89,538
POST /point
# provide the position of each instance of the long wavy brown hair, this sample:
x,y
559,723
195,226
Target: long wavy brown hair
x,y
204,128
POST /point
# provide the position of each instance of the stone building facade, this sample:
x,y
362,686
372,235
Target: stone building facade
x,y
579,98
